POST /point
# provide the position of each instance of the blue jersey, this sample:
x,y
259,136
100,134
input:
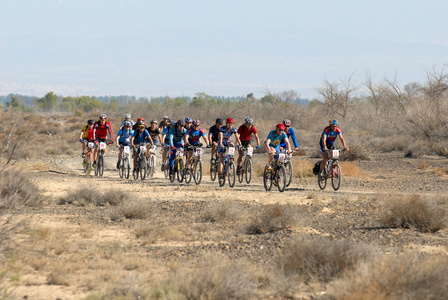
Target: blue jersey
x,y
227,133
291,134
275,138
176,135
125,136
195,135
140,137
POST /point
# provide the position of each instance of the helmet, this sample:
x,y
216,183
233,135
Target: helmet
x,y
280,126
334,122
286,122
140,119
230,120
90,122
166,118
196,122
172,123
219,121
188,120
141,124
103,117
248,121
154,122
127,116
181,122
127,124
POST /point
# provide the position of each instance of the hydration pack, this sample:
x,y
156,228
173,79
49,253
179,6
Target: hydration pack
x,y
316,168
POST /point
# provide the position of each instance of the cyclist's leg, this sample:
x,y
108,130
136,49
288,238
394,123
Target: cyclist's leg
x,y
324,157
136,149
221,158
190,156
171,159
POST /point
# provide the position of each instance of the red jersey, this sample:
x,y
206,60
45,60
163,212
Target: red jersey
x,y
102,130
245,133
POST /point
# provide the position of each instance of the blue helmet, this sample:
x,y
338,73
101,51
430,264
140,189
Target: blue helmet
x,y
334,122
188,120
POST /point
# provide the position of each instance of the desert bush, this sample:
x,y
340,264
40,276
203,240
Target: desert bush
x,y
271,218
132,209
415,211
406,276
356,152
351,169
303,168
222,210
319,259
17,190
84,195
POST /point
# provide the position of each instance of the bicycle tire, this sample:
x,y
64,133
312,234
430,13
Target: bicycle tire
x,y
197,172
222,179
121,168
188,176
100,165
248,171
267,179
289,172
180,170
152,165
143,167
127,167
166,170
337,176
281,178
323,182
243,167
231,173
213,169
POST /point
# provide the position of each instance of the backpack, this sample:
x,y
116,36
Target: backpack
x,y
316,168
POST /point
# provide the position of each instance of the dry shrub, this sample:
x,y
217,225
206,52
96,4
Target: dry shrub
x,y
132,209
318,259
17,190
356,152
271,218
441,171
222,211
405,276
415,211
215,278
92,195
350,169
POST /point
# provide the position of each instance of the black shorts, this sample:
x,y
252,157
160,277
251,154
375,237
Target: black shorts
x,y
245,143
101,140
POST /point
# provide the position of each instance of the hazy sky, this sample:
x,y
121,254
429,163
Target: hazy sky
x,y
229,48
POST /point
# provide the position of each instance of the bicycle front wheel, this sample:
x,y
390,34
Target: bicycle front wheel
x,y
197,172
289,171
126,168
121,168
180,170
231,173
213,169
337,176
281,178
100,164
248,171
166,170
143,168
323,181
240,174
152,165
188,174
267,179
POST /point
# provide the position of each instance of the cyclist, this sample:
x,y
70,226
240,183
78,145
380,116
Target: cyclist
x,y
245,131
87,134
136,125
127,117
166,142
140,136
124,139
188,122
329,136
193,136
213,136
102,128
164,123
225,140
272,144
290,134
154,132
176,137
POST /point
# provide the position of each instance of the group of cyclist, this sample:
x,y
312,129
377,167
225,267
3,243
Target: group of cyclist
x,y
187,133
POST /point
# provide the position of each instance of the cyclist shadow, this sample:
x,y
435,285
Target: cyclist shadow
x,y
295,189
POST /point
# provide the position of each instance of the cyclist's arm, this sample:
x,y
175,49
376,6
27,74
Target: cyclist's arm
x,y
111,135
81,134
286,140
204,137
324,142
150,139
294,139
257,138
266,145
210,138
237,135
220,138
171,137
160,138
186,136
132,141
343,142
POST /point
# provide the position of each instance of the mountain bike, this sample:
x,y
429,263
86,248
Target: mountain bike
x,y
88,158
152,162
214,163
125,166
228,168
196,165
178,166
246,165
141,166
332,169
276,174
100,164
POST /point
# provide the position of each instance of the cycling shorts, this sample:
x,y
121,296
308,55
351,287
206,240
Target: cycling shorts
x,y
245,143
101,140
277,149
329,147
222,150
123,143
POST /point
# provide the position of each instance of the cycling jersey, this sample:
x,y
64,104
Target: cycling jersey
x,y
140,137
246,133
227,133
176,135
102,130
154,134
125,136
214,131
89,134
292,134
166,132
275,138
331,135
194,135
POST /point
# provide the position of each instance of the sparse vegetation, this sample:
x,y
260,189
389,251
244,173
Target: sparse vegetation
x,y
271,218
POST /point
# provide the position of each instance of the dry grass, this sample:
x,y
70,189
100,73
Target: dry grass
x,y
17,190
223,211
351,169
415,211
271,218
356,152
441,171
318,259
405,276
132,209
92,195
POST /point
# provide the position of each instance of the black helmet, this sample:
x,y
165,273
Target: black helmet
x,y
181,122
90,122
220,121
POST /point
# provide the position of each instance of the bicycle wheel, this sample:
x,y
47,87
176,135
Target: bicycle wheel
x,y
121,168
281,178
248,171
289,171
172,177
222,179
126,167
166,170
197,172
180,170
323,182
231,173
241,172
100,165
143,168
152,165
213,169
337,176
188,174
267,179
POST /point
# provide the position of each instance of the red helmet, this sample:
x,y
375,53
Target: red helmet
x,y
140,119
230,120
281,126
286,122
